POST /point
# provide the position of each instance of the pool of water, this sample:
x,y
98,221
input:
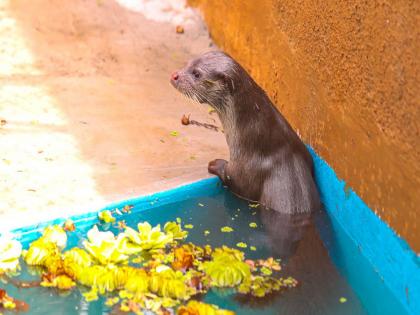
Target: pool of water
x,y
308,247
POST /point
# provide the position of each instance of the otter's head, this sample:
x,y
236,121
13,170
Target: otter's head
x,y
212,78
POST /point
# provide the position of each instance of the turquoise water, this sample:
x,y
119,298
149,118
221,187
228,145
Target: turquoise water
x,y
297,240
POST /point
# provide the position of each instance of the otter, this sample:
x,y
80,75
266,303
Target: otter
x,y
268,162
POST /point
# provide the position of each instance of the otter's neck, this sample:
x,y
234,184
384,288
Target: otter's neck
x,y
243,119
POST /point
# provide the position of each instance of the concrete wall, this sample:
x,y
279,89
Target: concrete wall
x,y
346,75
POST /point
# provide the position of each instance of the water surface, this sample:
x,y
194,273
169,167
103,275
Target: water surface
x,y
294,239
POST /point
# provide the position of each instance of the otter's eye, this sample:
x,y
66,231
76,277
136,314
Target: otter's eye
x,y
196,74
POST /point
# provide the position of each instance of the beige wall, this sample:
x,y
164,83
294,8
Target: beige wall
x,y
346,76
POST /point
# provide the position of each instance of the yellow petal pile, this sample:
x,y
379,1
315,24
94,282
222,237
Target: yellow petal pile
x,y
145,269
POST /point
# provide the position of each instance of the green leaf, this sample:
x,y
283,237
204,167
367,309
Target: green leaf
x,y
106,216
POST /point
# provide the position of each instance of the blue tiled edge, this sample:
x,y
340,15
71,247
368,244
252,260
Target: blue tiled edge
x,y
391,258
205,187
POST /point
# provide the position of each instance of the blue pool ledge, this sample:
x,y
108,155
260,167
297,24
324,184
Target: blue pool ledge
x,y
396,264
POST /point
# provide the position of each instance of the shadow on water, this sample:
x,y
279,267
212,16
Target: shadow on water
x,y
296,240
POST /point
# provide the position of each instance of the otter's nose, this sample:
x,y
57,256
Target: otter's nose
x,y
175,76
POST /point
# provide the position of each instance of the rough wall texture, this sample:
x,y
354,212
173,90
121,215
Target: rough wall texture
x,y
346,76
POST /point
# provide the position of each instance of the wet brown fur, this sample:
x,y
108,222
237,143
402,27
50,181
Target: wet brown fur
x,y
268,161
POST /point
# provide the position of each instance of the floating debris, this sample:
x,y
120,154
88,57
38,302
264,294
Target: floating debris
x,y
188,226
254,205
226,229
206,232
174,133
122,225
343,300
127,208
253,248
69,226
242,245
201,205
253,225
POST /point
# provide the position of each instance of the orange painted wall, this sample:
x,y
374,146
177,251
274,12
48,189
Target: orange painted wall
x,y
346,75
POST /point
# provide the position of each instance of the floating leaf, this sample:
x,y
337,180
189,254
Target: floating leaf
x,y
226,268
10,251
343,300
253,248
226,229
253,225
176,230
242,245
189,226
104,248
266,271
148,238
106,216
174,133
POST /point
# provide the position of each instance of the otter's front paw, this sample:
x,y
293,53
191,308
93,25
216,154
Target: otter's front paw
x,y
217,167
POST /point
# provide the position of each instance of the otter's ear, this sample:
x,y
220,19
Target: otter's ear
x,y
227,81
223,79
